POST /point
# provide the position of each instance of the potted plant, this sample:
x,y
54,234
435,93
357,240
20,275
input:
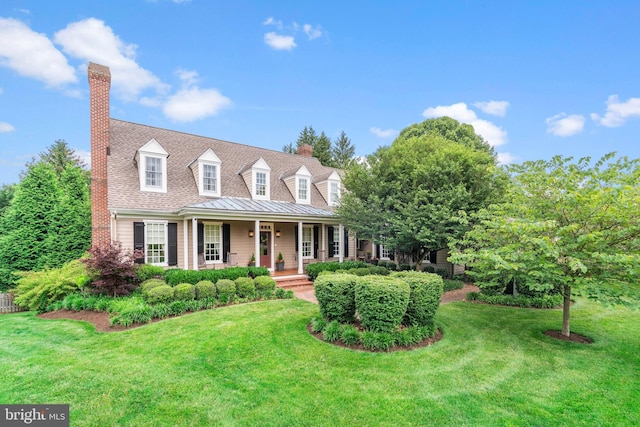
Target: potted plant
x,y
280,262
252,260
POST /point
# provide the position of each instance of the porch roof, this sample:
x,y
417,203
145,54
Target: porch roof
x,y
242,205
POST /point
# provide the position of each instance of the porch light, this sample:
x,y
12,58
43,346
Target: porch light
x,y
250,233
277,233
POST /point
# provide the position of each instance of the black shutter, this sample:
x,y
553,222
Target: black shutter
x,y
433,257
330,232
226,241
392,255
346,243
295,232
200,238
173,243
138,239
315,241
378,251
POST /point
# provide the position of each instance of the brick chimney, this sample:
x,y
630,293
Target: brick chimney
x,y
99,85
305,150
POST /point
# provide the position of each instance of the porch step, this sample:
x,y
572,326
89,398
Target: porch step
x,y
290,282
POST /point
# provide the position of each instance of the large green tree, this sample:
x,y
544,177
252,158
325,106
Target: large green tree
x,y
418,193
6,195
567,225
337,154
343,151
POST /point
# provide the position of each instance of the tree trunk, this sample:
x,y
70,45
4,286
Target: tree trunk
x,y
566,331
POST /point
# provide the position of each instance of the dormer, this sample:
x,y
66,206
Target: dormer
x,y
206,171
151,160
299,184
257,177
330,186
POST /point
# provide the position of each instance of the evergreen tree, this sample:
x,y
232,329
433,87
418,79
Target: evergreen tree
x,y
343,151
6,195
288,148
322,150
307,136
61,156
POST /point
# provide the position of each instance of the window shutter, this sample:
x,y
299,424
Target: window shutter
x,y
315,241
200,238
392,255
433,257
331,238
378,251
173,243
345,253
138,239
226,241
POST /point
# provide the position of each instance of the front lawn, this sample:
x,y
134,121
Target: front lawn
x,y
256,364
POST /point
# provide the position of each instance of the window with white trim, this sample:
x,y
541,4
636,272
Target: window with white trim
x,y
151,161
261,184
385,253
334,193
156,243
337,240
153,171
303,189
213,243
307,242
209,178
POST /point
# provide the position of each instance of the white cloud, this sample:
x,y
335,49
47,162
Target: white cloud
x,y
388,133
506,158
495,108
188,77
312,33
271,21
6,127
279,42
192,103
33,55
92,40
618,112
565,125
492,133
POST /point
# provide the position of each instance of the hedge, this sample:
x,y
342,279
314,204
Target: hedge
x,y
314,269
226,290
265,286
336,296
245,287
381,302
424,298
205,289
173,276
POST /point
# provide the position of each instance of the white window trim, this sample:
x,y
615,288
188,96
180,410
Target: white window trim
x,y
220,242
204,192
383,248
166,242
338,241
307,200
329,183
307,227
267,195
143,173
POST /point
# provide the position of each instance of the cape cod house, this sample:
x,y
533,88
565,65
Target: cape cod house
x,y
195,202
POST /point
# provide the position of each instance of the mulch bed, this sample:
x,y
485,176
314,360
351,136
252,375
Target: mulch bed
x,y
577,338
100,319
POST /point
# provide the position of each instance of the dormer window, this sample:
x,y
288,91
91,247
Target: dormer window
x,y
206,171
298,181
257,177
334,193
151,159
261,184
329,186
303,190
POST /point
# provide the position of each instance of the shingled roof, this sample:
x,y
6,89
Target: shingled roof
x,y
183,148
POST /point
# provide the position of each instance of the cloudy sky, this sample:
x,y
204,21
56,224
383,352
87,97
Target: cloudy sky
x,y
535,80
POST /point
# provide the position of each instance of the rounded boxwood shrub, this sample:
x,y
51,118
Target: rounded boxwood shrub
x,y
149,284
245,287
226,290
265,286
381,302
160,294
424,298
205,289
336,296
184,292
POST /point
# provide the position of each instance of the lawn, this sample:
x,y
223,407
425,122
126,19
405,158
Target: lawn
x,y
255,364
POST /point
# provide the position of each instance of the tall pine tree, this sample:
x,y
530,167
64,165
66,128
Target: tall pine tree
x,y
343,151
322,150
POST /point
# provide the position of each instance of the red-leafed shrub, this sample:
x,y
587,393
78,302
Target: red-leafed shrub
x,y
112,269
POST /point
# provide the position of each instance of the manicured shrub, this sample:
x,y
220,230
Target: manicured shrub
x,y
381,271
332,332
205,289
160,294
173,276
265,286
428,269
36,290
314,269
147,271
350,335
546,301
382,264
424,299
149,284
404,267
226,290
445,274
184,292
336,296
284,293
381,302
245,287
318,324
392,266
452,285
112,269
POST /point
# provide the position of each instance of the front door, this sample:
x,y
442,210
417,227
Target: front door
x,y
265,249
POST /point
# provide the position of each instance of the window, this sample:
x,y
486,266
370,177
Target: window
x,y
334,193
156,243
210,178
153,172
336,247
261,184
307,242
385,253
212,243
303,189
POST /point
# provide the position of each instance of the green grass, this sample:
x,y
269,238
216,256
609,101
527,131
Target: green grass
x,y
255,364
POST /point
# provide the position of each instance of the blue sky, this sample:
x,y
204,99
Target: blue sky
x,y
534,78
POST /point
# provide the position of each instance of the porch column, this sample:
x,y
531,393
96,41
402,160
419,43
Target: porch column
x,y
373,249
194,242
300,266
185,243
256,242
324,243
341,231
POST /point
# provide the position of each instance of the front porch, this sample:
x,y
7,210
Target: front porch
x,y
290,279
